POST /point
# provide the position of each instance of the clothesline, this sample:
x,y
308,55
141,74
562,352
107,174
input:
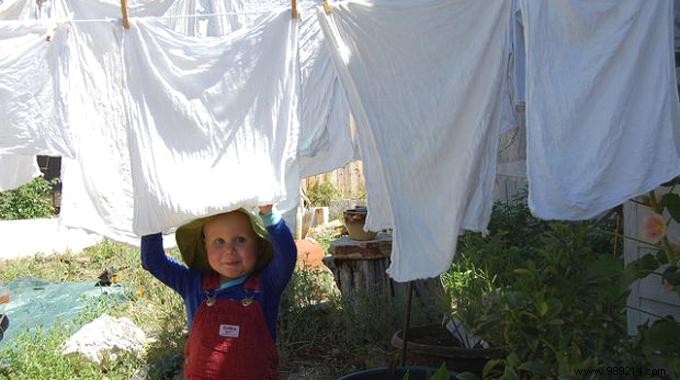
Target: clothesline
x,y
109,19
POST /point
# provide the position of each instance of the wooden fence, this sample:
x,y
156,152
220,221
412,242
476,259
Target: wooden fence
x,y
349,180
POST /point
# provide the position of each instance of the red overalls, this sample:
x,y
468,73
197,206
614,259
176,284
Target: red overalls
x,y
229,339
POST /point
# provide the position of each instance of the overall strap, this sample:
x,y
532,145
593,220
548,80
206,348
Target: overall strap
x,y
211,281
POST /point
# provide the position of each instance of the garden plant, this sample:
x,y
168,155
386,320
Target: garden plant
x,y
553,294
32,200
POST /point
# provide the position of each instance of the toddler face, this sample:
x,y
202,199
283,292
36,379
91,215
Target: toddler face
x,y
231,244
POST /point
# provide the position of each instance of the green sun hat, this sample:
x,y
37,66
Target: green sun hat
x,y
192,247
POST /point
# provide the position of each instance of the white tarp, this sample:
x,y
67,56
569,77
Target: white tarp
x,y
428,115
602,106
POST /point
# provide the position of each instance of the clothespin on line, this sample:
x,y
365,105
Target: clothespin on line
x,y
327,7
124,11
294,8
51,31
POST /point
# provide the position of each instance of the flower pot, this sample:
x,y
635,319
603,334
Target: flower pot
x,y
354,220
414,373
434,344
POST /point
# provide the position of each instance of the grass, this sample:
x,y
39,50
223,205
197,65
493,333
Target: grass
x,y
151,305
319,336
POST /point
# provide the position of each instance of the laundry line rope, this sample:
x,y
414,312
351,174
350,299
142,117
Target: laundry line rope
x,y
110,19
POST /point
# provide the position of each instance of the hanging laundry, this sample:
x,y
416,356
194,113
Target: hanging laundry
x,y
325,142
602,123
518,69
31,121
97,191
24,9
212,122
98,9
424,80
676,23
16,170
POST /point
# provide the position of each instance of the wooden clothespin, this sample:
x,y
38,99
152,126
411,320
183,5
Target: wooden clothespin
x,y
51,31
294,8
327,7
124,11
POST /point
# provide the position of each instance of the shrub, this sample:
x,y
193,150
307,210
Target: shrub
x,y
31,200
552,294
321,194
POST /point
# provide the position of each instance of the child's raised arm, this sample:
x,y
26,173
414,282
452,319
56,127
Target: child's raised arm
x,y
163,267
280,269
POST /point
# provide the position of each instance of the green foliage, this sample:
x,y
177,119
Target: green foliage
x,y
660,339
321,194
317,325
324,235
31,200
37,355
156,308
551,294
441,374
317,328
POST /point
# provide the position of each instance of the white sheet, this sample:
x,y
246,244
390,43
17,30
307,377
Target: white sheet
x,y
97,187
602,107
425,129
24,9
31,121
97,192
325,142
212,122
16,170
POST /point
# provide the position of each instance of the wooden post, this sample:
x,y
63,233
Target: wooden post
x,y
124,11
407,322
294,8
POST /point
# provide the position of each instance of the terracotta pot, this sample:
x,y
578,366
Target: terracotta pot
x,y
354,220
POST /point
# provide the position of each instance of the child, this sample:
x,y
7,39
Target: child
x,y
237,271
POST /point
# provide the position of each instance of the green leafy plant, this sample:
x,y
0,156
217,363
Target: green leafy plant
x,y
551,294
441,374
321,194
31,200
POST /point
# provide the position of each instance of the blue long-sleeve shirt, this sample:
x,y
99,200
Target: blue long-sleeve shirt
x,y
189,283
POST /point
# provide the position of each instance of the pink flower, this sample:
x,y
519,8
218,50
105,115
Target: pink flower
x,y
654,228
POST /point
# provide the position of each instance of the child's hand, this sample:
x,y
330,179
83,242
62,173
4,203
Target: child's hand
x,y
266,209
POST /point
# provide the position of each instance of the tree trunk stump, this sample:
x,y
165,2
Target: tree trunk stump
x,y
359,269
